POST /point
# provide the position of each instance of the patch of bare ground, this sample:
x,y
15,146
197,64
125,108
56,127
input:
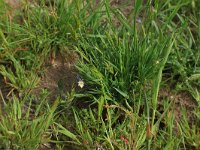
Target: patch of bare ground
x,y
61,72
181,100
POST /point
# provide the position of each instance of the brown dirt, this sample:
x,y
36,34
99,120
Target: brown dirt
x,y
181,100
60,71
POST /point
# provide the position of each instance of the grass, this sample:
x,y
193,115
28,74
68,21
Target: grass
x,y
124,62
22,127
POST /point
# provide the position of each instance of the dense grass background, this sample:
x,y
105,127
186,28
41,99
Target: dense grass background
x,y
124,61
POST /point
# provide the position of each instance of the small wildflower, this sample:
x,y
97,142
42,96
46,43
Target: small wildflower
x,y
81,83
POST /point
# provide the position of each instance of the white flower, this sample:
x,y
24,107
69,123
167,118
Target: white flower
x,y
81,83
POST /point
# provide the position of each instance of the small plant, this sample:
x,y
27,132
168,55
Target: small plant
x,y
190,132
106,127
18,78
21,127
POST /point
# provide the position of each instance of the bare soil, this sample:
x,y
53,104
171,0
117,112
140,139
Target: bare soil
x,y
181,100
60,71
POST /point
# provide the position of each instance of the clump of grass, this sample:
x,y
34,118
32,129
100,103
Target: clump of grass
x,y
18,78
95,128
116,64
190,131
21,127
